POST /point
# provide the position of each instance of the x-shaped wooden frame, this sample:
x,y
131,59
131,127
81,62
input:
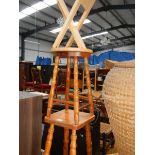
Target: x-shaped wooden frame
x,y
87,4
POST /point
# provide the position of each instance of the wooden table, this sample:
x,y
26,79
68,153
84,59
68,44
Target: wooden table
x,y
30,123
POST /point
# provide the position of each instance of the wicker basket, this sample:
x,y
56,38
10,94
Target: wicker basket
x,y
118,94
109,63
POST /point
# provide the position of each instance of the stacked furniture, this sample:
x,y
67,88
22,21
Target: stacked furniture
x,y
38,84
71,119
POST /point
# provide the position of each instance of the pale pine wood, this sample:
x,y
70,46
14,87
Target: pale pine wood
x,y
88,140
66,25
71,119
71,49
67,83
55,101
49,140
87,3
73,28
71,54
65,119
66,141
51,95
76,96
80,23
88,82
71,103
73,143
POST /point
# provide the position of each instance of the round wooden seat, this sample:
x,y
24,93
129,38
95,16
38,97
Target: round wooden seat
x,y
72,51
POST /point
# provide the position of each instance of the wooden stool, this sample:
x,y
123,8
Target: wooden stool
x,y
67,118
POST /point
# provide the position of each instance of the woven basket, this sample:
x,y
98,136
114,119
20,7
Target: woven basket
x,y
118,94
109,63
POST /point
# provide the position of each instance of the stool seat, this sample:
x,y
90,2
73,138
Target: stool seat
x,y
72,51
66,119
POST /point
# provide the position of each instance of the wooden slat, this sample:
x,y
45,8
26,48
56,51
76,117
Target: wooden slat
x,y
62,101
88,82
83,106
73,28
80,96
87,3
76,88
71,49
67,83
66,25
51,95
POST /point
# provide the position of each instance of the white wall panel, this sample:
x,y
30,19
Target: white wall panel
x,y
30,55
32,50
130,49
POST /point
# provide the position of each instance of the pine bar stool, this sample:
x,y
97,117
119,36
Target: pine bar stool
x,y
67,118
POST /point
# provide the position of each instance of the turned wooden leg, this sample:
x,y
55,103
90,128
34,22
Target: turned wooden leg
x,y
83,81
51,95
66,140
90,98
66,131
49,140
88,140
67,83
73,143
76,95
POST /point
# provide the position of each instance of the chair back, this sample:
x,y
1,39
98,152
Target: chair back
x,y
36,76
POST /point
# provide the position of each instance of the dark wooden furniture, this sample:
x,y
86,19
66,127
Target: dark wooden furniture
x,y
46,72
100,77
24,74
30,123
38,84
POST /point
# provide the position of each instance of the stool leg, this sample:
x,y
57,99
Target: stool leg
x,y
83,81
73,143
51,95
88,140
66,131
66,140
67,83
49,140
90,98
76,95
